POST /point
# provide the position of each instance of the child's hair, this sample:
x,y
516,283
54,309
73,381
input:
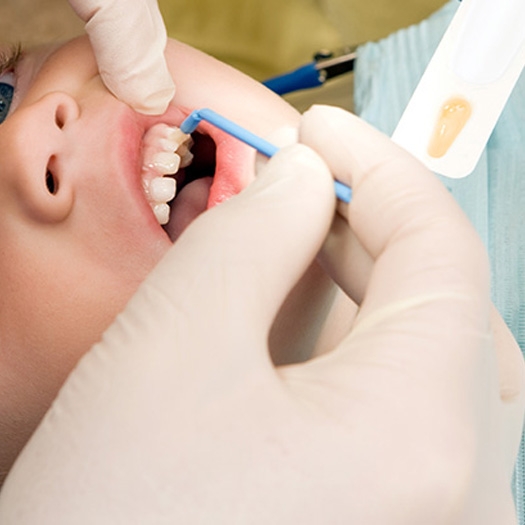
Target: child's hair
x,y
37,23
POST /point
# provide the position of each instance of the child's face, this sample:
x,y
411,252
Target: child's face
x,y
77,234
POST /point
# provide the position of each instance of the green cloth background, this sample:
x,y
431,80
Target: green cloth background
x,y
267,37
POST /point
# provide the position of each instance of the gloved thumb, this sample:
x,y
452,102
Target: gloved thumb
x,y
234,266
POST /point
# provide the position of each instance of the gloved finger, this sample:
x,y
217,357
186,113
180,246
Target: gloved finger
x,y
429,285
345,259
129,39
511,365
281,137
341,248
511,373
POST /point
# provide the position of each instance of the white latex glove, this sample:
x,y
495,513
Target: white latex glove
x,y
178,415
128,38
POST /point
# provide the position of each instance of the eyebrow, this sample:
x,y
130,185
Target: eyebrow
x,y
9,57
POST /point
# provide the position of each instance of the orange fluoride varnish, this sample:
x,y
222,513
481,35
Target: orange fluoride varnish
x,y
465,87
453,116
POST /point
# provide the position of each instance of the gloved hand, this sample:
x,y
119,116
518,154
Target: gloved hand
x,y
128,38
178,416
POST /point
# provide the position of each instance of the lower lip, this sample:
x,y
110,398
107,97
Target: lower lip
x,y
233,171
234,168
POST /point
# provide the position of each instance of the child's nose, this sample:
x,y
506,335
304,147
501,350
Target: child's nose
x,y
64,108
49,190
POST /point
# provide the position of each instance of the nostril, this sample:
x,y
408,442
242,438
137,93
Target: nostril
x,y
51,178
60,116
51,183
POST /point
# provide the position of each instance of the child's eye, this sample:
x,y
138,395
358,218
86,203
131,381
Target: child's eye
x,y
7,91
9,60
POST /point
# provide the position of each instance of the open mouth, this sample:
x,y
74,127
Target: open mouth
x,y
177,175
194,183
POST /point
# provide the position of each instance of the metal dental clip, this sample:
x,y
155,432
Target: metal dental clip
x,y
326,65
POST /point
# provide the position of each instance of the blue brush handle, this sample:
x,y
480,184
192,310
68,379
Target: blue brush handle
x,y
304,77
189,125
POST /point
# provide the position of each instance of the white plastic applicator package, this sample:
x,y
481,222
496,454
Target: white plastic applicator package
x,y
461,95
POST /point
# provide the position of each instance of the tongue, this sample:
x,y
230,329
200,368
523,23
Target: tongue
x,y
189,204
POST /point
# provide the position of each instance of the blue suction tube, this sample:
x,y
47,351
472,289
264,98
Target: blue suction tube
x,y
189,125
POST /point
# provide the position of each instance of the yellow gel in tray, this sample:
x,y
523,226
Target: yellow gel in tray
x,y
453,116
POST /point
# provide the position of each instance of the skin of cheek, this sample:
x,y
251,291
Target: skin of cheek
x,y
261,111
62,283
62,299
66,320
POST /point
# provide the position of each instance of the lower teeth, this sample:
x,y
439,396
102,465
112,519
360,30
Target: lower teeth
x,y
162,189
162,213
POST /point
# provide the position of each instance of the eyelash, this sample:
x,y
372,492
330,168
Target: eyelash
x,y
9,58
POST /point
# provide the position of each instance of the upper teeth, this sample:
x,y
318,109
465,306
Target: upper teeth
x,y
166,149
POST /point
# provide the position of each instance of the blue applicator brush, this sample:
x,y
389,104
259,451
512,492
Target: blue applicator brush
x,y
189,125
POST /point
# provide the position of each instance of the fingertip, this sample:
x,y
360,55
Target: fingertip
x,y
355,148
304,170
155,103
282,137
290,205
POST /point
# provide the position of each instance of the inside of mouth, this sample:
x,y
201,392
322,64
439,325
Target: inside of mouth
x,y
193,186
203,164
